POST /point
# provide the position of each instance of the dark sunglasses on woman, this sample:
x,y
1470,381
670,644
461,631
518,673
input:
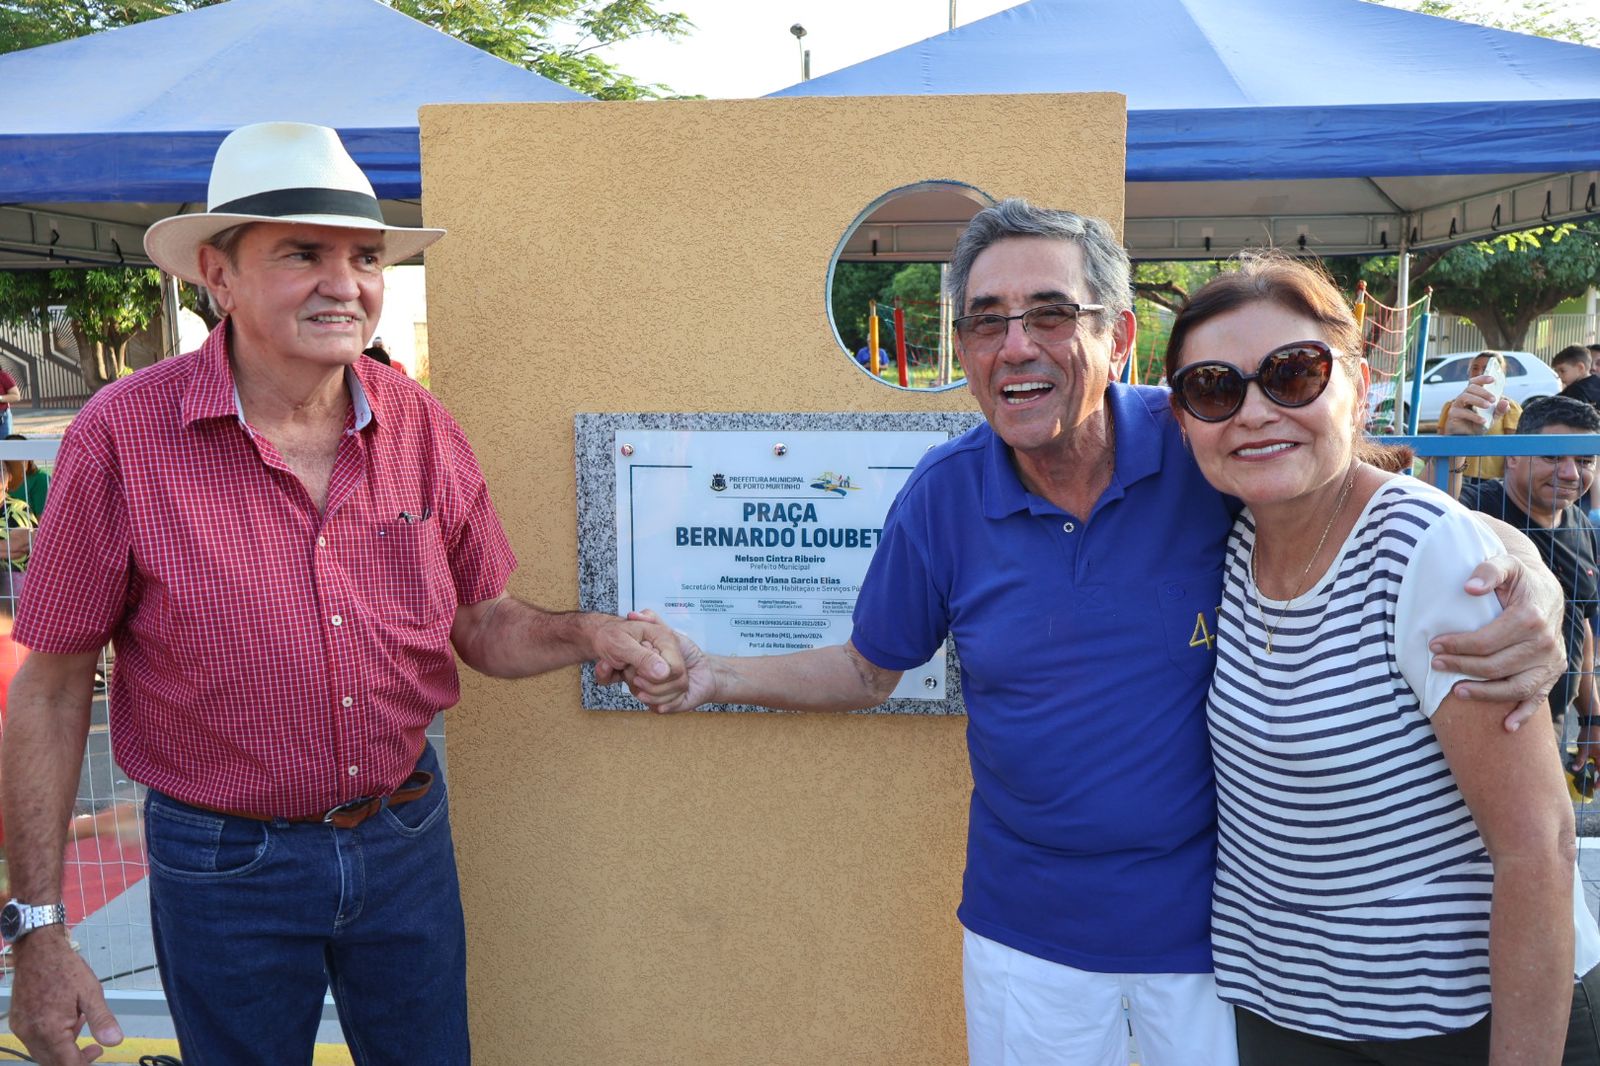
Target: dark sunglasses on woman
x,y
1292,375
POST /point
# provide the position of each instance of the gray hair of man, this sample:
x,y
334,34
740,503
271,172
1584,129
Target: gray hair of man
x,y
1106,268
227,242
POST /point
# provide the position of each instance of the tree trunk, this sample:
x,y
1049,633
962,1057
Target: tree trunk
x,y
89,362
98,363
116,358
1162,294
1497,332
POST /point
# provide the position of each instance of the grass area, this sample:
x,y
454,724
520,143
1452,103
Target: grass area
x,y
919,377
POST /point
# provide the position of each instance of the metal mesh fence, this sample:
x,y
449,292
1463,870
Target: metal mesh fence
x,y
1531,481
1389,335
105,866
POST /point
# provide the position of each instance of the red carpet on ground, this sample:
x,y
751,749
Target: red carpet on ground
x,y
98,870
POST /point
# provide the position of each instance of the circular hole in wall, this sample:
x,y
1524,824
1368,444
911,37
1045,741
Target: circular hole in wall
x,y
888,271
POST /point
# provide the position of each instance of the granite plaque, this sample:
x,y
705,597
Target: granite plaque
x,y
751,540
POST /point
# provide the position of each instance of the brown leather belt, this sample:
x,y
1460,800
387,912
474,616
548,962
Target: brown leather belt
x,y
351,814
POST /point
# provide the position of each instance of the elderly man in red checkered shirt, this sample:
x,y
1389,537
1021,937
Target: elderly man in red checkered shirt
x,y
285,541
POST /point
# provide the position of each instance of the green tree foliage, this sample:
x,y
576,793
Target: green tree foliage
x,y
1567,20
1509,277
106,307
1159,289
555,38
915,283
1501,285
1168,284
30,23
855,285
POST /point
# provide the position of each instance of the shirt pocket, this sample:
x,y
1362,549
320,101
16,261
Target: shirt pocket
x,y
414,572
1188,609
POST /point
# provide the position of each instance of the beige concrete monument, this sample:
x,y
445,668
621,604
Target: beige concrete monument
x,y
704,889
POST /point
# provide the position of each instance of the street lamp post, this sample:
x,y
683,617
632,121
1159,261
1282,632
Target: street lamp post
x,y
799,32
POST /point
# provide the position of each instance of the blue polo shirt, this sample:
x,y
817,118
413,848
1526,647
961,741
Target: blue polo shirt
x,y
1086,653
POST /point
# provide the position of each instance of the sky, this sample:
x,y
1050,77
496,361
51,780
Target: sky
x,y
742,48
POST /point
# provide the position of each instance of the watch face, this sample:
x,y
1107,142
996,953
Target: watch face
x,y
10,920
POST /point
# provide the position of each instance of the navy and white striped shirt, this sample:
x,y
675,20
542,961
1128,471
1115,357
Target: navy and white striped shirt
x,y
1353,890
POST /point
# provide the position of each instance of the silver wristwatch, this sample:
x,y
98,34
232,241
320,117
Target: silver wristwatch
x,y
18,919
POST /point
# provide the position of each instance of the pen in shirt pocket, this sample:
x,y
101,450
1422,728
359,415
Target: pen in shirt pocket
x,y
407,516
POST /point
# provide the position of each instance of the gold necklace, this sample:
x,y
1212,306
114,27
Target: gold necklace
x,y
1272,628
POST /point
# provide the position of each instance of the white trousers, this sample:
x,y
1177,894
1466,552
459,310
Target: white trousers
x,y
1025,1011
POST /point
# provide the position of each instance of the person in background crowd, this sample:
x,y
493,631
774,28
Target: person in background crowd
x,y
380,351
1542,495
26,482
864,357
1477,412
1394,871
21,521
1594,494
1572,365
10,393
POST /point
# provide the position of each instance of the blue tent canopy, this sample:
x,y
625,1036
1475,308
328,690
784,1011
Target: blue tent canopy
x,y
1387,120
133,116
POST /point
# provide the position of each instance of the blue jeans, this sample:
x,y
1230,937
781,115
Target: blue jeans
x,y
5,423
254,920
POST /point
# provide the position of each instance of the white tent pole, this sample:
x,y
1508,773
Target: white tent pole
x,y
1590,299
170,308
1402,302
1402,297
946,320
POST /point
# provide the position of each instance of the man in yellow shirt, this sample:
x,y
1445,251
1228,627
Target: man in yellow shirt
x,y
1476,412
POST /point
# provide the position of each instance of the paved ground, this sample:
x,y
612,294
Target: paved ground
x,y
50,422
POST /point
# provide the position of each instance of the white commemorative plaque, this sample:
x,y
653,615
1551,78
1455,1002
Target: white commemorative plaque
x,y
756,542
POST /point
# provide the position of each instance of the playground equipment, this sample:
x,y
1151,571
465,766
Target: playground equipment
x,y
923,342
1393,340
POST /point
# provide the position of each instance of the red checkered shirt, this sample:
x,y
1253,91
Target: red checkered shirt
x,y
269,659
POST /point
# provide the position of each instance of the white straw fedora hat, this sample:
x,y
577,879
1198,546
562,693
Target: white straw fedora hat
x,y
280,172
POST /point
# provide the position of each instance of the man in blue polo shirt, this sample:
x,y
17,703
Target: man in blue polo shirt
x,y
1073,550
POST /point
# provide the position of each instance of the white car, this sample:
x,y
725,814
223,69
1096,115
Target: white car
x,y
1444,376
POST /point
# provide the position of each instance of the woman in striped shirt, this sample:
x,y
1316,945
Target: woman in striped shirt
x,y
1390,861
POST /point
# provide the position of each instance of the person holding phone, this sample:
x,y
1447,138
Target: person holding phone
x,y
1482,408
